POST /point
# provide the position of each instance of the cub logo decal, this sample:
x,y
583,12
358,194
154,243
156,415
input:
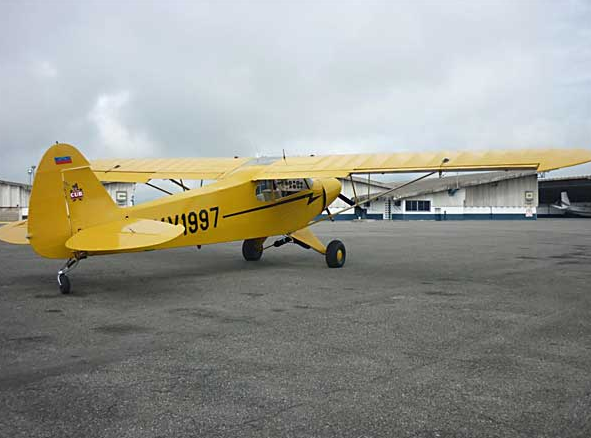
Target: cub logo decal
x,y
76,193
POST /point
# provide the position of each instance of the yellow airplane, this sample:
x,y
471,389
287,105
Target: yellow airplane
x,y
71,215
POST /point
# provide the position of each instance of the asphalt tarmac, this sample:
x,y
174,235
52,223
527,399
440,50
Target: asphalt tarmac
x,y
432,329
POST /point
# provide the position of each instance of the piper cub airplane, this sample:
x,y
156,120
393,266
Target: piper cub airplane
x,y
71,215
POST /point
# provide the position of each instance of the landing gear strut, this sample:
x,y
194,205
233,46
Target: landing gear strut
x,y
62,279
335,253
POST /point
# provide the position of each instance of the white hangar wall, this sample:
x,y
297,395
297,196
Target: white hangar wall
x,y
122,193
515,198
509,192
479,196
14,200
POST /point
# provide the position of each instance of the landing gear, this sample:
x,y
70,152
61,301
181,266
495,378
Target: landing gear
x,y
252,249
64,283
335,254
62,279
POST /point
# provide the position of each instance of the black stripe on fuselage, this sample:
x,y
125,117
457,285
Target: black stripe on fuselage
x,y
310,196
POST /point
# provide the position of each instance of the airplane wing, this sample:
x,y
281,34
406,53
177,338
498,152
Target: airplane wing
x,y
144,170
340,166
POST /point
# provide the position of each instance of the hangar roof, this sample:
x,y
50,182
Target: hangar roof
x,y
565,178
15,184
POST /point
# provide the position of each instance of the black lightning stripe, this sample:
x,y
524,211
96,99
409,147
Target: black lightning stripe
x,y
310,196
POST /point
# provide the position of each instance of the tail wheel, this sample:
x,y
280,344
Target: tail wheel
x,y
252,249
335,254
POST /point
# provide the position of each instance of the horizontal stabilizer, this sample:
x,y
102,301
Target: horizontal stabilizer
x,y
124,235
15,233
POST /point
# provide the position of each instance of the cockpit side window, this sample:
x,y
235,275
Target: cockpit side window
x,y
267,190
270,190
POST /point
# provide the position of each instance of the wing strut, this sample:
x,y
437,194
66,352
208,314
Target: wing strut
x,y
158,188
180,184
379,195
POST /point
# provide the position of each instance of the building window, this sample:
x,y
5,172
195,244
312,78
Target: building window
x,y
418,205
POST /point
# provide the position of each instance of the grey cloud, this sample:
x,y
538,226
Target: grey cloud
x,y
225,78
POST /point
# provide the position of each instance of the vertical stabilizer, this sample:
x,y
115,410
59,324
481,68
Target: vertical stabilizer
x,y
564,199
66,198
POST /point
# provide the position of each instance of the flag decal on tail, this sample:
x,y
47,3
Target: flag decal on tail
x,y
63,160
76,193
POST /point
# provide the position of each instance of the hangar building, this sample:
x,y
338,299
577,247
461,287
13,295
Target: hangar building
x,y
14,198
122,193
492,195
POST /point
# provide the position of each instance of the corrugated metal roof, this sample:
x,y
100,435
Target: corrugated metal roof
x,y
16,184
566,178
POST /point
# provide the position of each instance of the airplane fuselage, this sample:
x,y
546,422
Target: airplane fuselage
x,y
230,210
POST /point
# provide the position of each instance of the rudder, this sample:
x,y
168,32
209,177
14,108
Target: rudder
x,y
564,198
66,198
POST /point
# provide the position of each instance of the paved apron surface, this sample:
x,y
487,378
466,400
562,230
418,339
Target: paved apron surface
x,y
432,329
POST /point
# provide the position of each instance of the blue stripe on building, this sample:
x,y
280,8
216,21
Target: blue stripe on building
x,y
350,216
462,217
437,217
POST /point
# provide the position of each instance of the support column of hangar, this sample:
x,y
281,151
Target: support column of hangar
x,y
484,196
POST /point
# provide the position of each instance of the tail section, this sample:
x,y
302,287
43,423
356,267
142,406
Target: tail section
x,y
66,198
564,199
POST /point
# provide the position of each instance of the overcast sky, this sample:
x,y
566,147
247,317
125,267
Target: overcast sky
x,y
245,78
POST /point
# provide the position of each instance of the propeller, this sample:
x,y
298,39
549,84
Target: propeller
x,y
343,198
346,200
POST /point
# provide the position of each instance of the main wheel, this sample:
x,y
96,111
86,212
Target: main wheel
x,y
252,249
335,254
64,284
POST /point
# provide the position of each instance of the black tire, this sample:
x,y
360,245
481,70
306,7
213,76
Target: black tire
x,y
252,249
335,254
64,284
